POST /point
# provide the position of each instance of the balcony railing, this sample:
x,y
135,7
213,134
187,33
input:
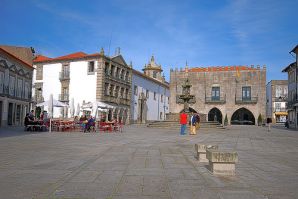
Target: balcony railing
x,y
64,75
280,99
241,100
280,110
63,97
215,100
117,100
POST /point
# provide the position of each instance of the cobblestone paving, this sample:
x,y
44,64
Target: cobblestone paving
x,y
146,163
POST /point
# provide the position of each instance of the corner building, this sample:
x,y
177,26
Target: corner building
x,y
236,91
80,79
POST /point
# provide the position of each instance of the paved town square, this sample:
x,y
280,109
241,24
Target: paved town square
x,y
146,163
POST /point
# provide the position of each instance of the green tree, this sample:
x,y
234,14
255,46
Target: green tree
x,y
226,120
260,120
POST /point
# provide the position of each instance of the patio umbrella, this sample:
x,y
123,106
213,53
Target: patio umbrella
x,y
50,110
72,108
94,109
78,110
50,106
55,103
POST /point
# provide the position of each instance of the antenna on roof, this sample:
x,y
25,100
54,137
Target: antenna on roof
x,y
110,43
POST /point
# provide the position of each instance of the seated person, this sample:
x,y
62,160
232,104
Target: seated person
x,y
28,121
31,115
91,122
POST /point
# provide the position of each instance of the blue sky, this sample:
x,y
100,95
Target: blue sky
x,y
203,33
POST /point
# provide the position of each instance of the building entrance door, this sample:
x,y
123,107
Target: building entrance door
x,y
10,114
1,111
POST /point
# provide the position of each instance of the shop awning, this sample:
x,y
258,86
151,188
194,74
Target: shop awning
x,y
281,113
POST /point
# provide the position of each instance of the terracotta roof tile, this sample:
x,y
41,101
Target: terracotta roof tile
x,y
77,55
72,56
41,58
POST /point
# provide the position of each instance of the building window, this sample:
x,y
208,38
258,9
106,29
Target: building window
x,y
1,82
20,88
215,94
246,93
122,93
135,90
126,93
277,106
117,72
154,74
111,90
122,74
147,94
106,89
161,98
278,91
112,70
154,96
11,85
285,91
126,76
107,68
117,91
91,67
26,91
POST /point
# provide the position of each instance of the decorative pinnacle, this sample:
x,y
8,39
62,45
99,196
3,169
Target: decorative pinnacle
x,y
102,52
152,59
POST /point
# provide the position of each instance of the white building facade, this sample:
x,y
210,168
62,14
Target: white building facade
x,y
78,79
150,94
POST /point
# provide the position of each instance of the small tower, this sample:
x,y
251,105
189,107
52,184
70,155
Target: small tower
x,y
153,70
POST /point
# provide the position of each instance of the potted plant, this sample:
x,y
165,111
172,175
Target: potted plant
x,y
260,120
226,120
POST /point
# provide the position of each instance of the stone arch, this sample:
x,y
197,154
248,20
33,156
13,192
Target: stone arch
x,y
215,115
243,116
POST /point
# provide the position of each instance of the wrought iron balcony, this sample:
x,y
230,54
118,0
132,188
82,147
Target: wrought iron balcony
x,y
280,99
64,97
241,100
280,110
215,100
64,75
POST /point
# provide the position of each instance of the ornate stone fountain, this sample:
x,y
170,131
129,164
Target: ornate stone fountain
x,y
186,98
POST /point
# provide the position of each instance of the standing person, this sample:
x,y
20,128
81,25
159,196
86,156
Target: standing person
x,y
198,120
192,124
183,122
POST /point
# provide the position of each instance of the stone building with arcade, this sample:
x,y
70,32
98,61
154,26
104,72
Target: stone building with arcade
x,y
238,92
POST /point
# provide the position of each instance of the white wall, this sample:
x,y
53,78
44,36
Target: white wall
x,y
154,106
82,86
51,84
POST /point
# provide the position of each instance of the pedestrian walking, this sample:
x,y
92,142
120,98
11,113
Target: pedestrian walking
x,y
183,122
198,120
192,124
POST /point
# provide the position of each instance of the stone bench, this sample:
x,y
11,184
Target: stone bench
x,y
200,149
222,162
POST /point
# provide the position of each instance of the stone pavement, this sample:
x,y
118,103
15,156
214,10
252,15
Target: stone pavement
x,y
146,163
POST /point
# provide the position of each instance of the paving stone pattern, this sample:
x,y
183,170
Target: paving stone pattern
x,y
146,163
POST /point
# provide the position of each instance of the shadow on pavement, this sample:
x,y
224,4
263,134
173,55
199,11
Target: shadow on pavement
x,y
13,131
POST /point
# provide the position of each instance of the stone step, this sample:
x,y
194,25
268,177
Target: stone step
x,y
176,125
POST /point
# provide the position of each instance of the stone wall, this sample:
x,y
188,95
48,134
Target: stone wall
x,y
230,80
